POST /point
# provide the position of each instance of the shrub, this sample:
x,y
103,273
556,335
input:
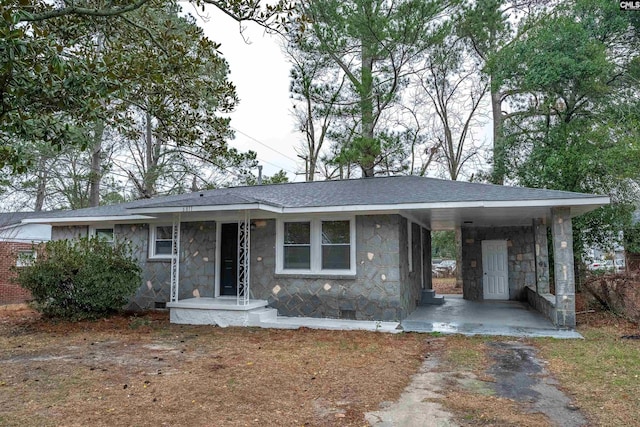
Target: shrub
x,y
80,279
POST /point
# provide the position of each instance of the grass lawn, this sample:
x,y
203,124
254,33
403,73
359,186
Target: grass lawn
x,y
601,374
602,371
142,371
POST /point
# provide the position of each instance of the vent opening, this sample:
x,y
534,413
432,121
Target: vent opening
x,y
348,314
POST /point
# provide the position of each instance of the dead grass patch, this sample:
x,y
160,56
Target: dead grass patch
x,y
480,410
127,371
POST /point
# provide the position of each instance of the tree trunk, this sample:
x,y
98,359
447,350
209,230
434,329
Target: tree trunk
x,y
499,160
42,184
367,146
95,175
151,172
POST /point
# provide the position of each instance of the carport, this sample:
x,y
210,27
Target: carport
x,y
506,318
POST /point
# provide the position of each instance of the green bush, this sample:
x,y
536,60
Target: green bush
x,y
81,279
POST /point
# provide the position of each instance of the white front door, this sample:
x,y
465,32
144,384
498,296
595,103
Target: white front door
x,y
495,269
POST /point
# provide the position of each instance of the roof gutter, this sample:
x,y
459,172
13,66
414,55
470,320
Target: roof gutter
x,y
86,219
545,203
593,202
208,208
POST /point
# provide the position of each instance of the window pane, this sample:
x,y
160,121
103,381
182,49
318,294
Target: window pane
x,y
25,258
105,234
335,232
297,233
336,257
164,233
297,257
163,247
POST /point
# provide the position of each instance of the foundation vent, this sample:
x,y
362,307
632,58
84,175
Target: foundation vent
x,y
348,314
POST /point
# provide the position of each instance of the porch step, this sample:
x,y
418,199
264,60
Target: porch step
x,y
429,297
261,316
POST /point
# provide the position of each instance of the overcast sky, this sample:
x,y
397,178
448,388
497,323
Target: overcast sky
x,y
261,74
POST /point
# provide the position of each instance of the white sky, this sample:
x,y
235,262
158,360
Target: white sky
x,y
262,120
261,74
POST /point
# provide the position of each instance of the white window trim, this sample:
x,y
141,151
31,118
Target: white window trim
x,y
152,241
24,260
410,244
316,246
93,228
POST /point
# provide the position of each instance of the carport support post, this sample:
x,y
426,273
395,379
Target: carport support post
x,y
562,234
427,281
542,256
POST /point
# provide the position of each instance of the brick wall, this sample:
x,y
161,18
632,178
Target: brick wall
x,y
11,293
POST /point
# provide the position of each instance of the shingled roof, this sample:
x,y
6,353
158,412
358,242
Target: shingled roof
x,y
381,191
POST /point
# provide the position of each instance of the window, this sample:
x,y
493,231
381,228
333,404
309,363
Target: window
x,y
297,245
160,241
105,234
336,245
316,246
25,258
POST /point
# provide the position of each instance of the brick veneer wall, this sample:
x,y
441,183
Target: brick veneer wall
x,y
11,293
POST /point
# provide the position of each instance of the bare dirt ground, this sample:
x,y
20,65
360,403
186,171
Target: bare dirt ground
x,y
143,371
445,285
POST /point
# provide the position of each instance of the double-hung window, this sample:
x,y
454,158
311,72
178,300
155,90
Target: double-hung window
x,y
316,246
160,241
297,246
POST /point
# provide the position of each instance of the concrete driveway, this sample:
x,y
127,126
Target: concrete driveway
x,y
506,318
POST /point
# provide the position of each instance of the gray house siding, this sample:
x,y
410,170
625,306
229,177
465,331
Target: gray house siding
x,y
382,289
69,233
373,294
410,278
521,259
197,261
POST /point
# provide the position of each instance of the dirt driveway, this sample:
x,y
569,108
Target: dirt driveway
x,y
144,371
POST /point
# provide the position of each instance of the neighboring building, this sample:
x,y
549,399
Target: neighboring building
x,y
16,249
355,249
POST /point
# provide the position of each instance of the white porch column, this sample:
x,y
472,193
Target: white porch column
x,y
175,258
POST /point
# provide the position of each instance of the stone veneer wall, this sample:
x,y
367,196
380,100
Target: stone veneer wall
x,y
69,233
521,259
426,259
373,294
411,281
197,261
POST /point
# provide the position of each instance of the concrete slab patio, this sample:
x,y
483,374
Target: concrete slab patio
x,y
505,318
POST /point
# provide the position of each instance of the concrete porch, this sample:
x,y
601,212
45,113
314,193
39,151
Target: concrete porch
x,y
460,316
225,311
218,311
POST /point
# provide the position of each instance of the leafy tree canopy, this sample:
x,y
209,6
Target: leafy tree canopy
x,y
52,77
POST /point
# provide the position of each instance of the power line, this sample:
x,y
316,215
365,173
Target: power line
x,y
263,144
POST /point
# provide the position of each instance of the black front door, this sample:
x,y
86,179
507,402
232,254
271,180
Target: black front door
x,y
228,259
